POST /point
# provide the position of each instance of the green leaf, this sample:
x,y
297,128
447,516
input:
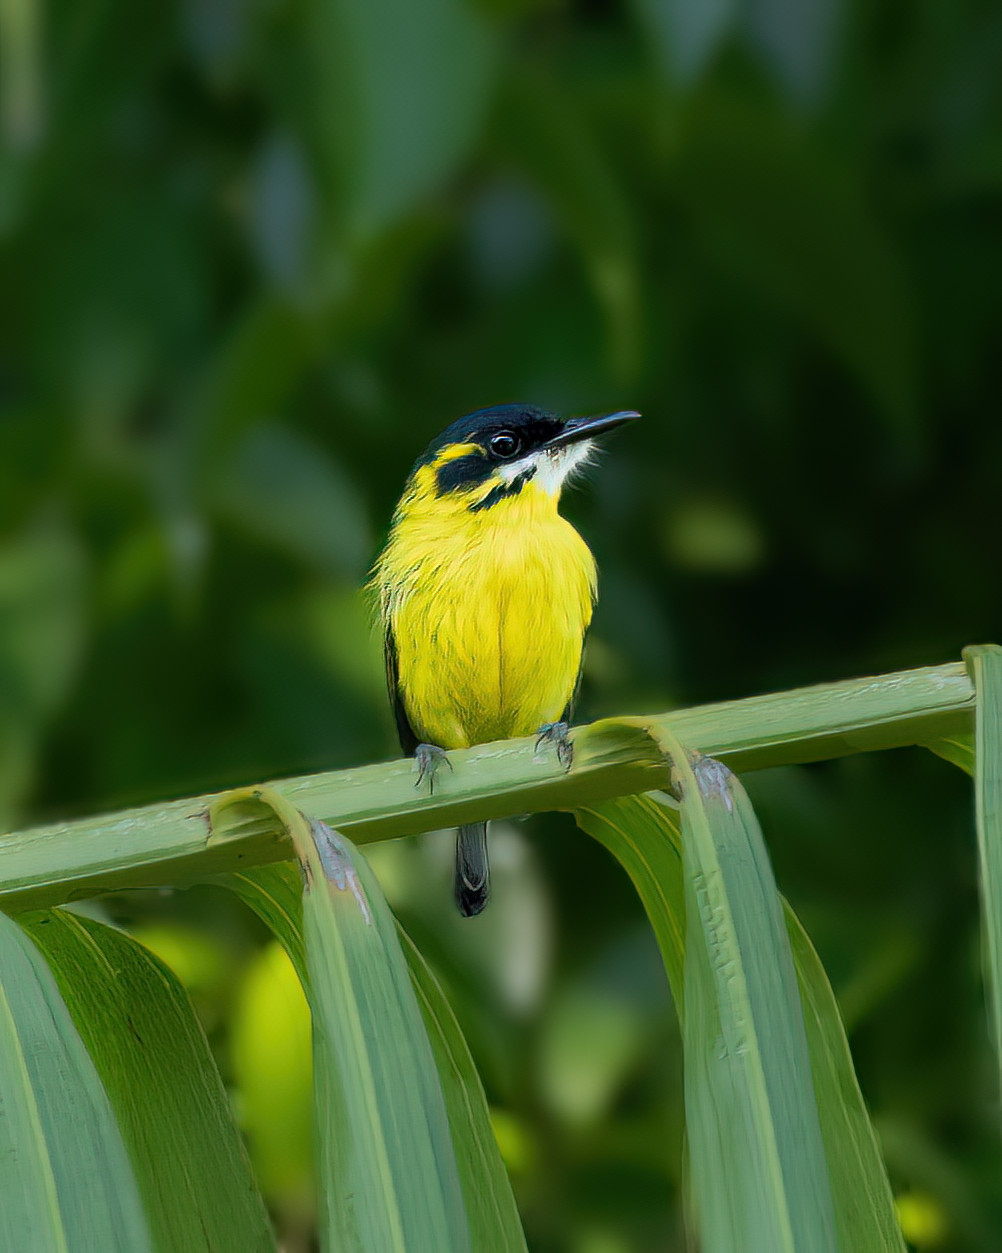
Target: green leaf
x,y
759,1174
149,1049
386,1164
495,1226
274,893
401,92
685,34
864,1205
284,490
985,662
644,834
958,749
66,1185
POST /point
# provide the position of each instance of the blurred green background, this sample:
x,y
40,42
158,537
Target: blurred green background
x,y
256,252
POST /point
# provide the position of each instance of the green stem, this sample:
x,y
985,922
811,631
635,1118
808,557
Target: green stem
x,y
174,842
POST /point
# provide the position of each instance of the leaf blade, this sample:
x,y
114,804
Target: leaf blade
x,y
644,834
176,1120
274,893
398,1187
752,1120
66,1185
386,1165
495,1226
985,662
404,105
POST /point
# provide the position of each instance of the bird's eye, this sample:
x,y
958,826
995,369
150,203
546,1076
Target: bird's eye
x,y
506,444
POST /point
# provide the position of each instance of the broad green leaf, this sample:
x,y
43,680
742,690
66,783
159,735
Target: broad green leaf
x,y
386,1166
137,1021
495,1226
287,492
66,1185
644,834
400,93
275,893
864,1204
759,1174
985,664
685,34
386,1162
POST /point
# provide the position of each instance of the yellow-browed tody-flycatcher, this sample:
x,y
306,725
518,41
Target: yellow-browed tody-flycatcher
x,y
486,593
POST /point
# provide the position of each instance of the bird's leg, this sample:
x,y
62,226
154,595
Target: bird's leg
x,y
558,734
429,757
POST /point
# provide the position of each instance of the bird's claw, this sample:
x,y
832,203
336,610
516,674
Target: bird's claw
x,y
429,757
557,734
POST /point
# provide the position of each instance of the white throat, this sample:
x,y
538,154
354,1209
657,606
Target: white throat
x,y
550,468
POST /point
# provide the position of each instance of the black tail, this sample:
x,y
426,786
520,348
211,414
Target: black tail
x,y
473,886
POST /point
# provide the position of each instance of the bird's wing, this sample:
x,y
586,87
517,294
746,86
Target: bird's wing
x,y
408,740
572,700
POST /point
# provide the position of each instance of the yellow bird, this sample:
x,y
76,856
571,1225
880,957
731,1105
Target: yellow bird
x,y
485,595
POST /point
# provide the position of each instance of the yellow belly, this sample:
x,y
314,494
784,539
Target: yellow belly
x,y
488,617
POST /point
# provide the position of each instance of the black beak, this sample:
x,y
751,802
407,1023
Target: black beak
x,y
584,428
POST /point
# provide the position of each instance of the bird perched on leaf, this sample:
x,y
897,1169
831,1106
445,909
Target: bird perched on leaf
x,y
485,595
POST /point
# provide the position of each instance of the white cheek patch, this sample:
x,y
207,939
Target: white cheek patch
x,y
550,469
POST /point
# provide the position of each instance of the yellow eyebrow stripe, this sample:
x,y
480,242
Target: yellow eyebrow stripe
x,y
454,451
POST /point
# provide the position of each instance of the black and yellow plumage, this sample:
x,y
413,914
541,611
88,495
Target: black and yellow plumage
x,y
486,592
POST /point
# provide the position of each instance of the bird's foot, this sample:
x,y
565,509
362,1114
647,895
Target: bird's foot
x,y
429,757
557,734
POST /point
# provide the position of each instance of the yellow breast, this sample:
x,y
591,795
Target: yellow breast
x,y
488,610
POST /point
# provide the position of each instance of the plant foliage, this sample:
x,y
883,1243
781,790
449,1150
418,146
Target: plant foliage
x,y
782,1154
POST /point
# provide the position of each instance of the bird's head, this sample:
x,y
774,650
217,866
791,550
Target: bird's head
x,y
493,454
